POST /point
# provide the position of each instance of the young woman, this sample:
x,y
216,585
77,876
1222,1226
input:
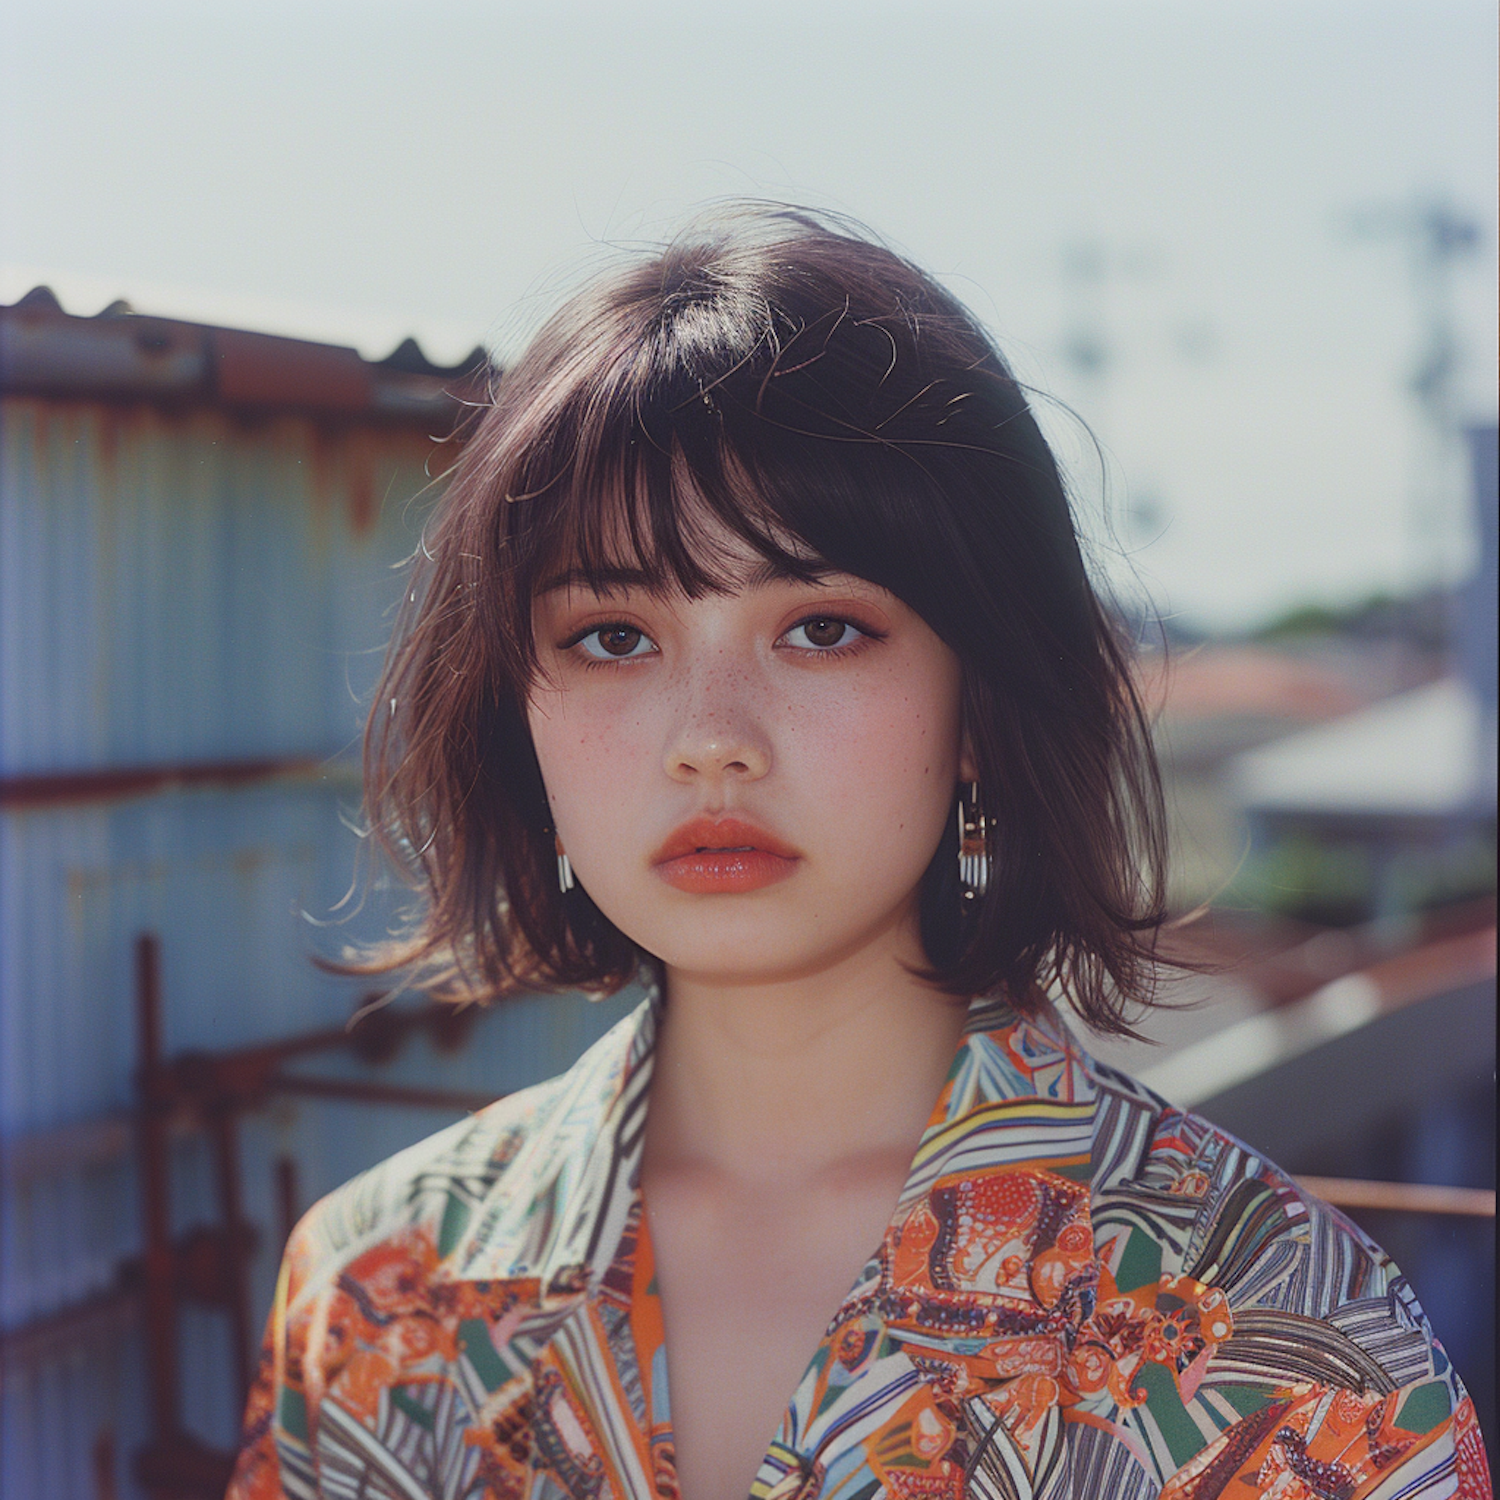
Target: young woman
x,y
753,655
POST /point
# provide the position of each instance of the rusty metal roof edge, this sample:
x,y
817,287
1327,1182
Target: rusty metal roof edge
x,y
29,791
120,354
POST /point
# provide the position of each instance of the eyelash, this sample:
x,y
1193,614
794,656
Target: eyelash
x,y
575,641
864,633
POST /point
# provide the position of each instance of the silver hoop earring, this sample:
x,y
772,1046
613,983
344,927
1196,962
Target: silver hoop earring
x,y
565,879
973,844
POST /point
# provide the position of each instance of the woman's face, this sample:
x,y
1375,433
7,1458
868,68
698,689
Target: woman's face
x,y
751,784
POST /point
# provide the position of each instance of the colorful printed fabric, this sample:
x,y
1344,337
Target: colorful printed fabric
x,y
1083,1293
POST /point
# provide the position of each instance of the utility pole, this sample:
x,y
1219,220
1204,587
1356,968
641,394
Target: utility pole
x,y
1091,269
1087,350
1436,236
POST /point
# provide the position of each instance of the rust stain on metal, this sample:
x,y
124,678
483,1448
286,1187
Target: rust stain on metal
x,y
112,783
359,1091
258,369
350,465
107,425
357,463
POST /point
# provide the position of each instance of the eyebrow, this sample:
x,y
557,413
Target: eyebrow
x,y
611,580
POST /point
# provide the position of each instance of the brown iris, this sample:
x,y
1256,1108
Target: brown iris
x,y
823,632
619,640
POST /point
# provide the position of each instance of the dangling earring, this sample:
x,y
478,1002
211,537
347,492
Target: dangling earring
x,y
973,844
564,868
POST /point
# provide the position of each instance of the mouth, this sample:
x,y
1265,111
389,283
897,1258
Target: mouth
x,y
709,856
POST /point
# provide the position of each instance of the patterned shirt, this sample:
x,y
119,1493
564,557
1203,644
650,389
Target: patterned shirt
x,y
1083,1292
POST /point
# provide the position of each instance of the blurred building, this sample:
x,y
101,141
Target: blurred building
x,y
198,528
1390,810
1212,701
1335,768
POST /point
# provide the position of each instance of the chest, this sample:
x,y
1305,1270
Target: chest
x,y
749,1280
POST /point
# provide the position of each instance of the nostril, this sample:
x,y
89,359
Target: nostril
x,y
716,755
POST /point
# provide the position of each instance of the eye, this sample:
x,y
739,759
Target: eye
x,y
616,642
822,633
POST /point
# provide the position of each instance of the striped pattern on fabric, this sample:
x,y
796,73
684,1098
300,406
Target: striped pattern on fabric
x,y
1384,1326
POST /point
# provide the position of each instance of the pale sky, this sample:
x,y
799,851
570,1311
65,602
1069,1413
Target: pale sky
x,y
446,168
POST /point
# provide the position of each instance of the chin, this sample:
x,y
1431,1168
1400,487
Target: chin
x,y
764,950
780,933
733,946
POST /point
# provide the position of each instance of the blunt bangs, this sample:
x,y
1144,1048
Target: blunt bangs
x,y
824,422
826,405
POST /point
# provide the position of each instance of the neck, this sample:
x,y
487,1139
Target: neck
x,y
782,1079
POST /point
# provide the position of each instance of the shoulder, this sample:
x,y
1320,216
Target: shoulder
x,y
1325,1355
351,1266
1221,1211
426,1192
486,1195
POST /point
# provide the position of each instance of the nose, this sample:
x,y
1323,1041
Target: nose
x,y
719,735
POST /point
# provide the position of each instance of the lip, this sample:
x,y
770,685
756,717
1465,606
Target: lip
x,y
707,856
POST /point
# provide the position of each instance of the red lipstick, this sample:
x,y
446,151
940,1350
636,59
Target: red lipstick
x,y
709,856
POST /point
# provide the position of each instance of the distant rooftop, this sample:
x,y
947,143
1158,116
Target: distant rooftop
x,y
373,331
1244,681
121,354
1425,753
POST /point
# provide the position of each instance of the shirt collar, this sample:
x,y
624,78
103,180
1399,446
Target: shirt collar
x,y
557,1210
1019,1092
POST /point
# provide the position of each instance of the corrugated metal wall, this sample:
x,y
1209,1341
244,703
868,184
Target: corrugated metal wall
x,y
179,589
191,587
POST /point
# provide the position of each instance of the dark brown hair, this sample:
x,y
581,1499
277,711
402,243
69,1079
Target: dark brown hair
x,y
830,405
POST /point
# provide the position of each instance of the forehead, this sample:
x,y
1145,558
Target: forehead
x,y
688,548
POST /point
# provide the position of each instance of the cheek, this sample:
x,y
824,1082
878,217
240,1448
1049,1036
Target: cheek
x,y
583,753
889,758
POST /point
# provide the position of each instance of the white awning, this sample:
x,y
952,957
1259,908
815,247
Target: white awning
x,y
1427,752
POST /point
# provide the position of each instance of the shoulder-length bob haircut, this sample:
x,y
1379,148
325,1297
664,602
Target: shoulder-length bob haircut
x,y
827,403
